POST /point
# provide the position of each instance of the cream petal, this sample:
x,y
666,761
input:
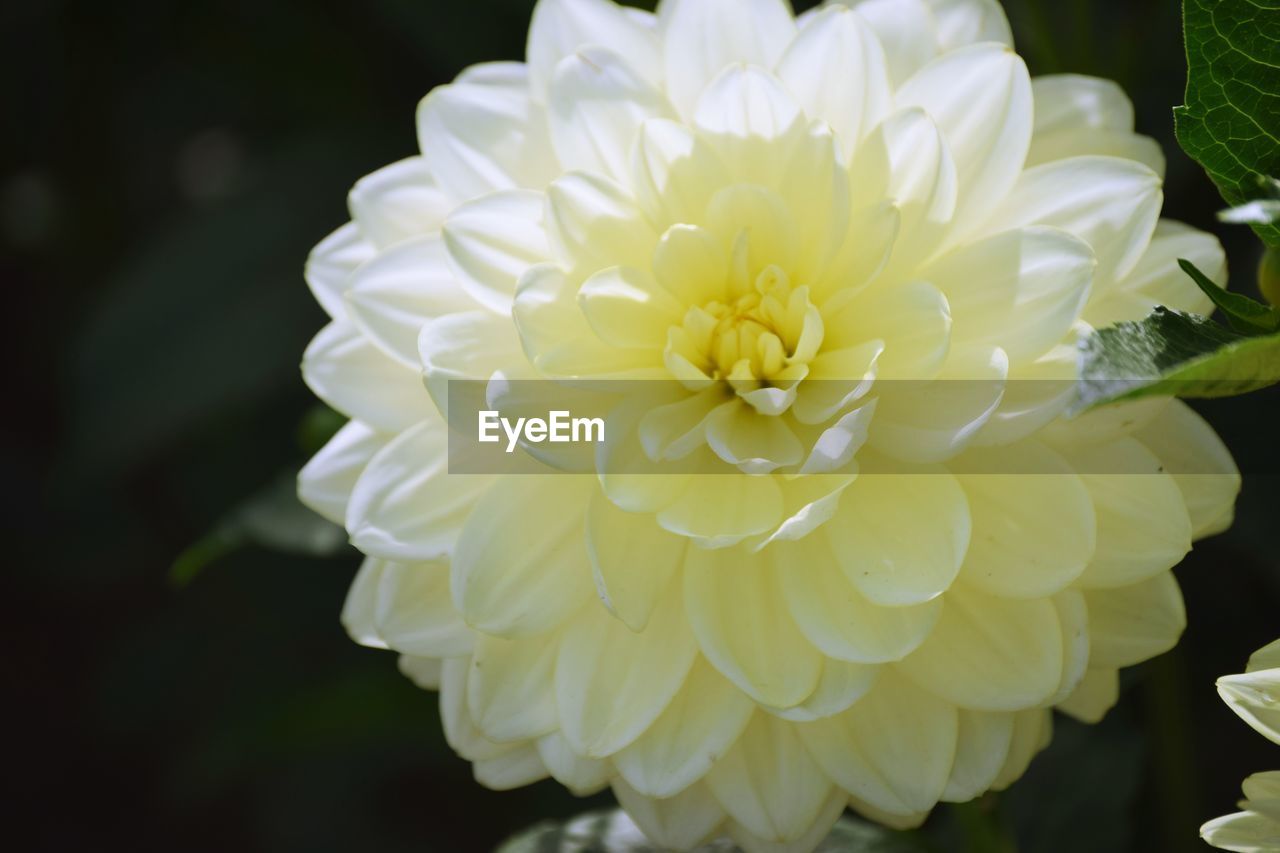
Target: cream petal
x,y
1096,694
837,618
414,612
360,608
483,133
1034,528
913,320
990,654
691,264
980,98
1158,280
1073,619
343,367
906,160
582,776
679,822
720,510
529,582
1021,290
756,219
1143,524
423,672
560,28
927,422
492,241
1255,697
838,71
472,345
406,505
1135,623
768,782
964,22
905,28
674,430
900,538
330,265
981,748
749,117
1032,731
511,770
398,202
594,223
835,447
325,483
810,840
841,684
1086,115
1248,830
510,690
674,173
624,467
612,683
1110,203
394,295
701,37
597,104
627,308
754,443
459,728
808,503
744,628
1267,657
1200,463
893,749
698,726
632,558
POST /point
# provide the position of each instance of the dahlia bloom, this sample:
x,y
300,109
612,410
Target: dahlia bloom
x,y
1255,696
839,244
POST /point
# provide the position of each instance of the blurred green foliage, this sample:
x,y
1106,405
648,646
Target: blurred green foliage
x,y
168,167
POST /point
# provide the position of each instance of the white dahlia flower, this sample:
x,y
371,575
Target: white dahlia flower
x,y
872,592
1255,696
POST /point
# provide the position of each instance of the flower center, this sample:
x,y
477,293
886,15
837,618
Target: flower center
x,y
763,336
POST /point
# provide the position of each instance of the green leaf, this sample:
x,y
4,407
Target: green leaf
x,y
613,832
1247,316
1168,353
1230,124
273,518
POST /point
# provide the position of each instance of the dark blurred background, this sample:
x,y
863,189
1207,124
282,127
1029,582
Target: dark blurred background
x,y
166,169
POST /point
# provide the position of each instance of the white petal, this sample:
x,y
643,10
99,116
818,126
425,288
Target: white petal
x,y
492,241
627,308
594,223
1134,623
990,654
1096,694
406,505
913,320
360,608
744,628
749,117
1143,525
1086,115
423,672
698,726
469,346
893,749
1248,831
511,770
395,294
840,620
1158,280
980,97
330,265
1032,730
510,692
561,27
837,70
414,613
965,22
1255,697
906,29
1021,290
701,37
459,728
1200,463
632,558
325,483
679,822
520,565
1110,203
343,368
675,172
819,829
768,782
1034,528
485,134
398,202
597,104
612,683
981,749
841,684
582,776
900,538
